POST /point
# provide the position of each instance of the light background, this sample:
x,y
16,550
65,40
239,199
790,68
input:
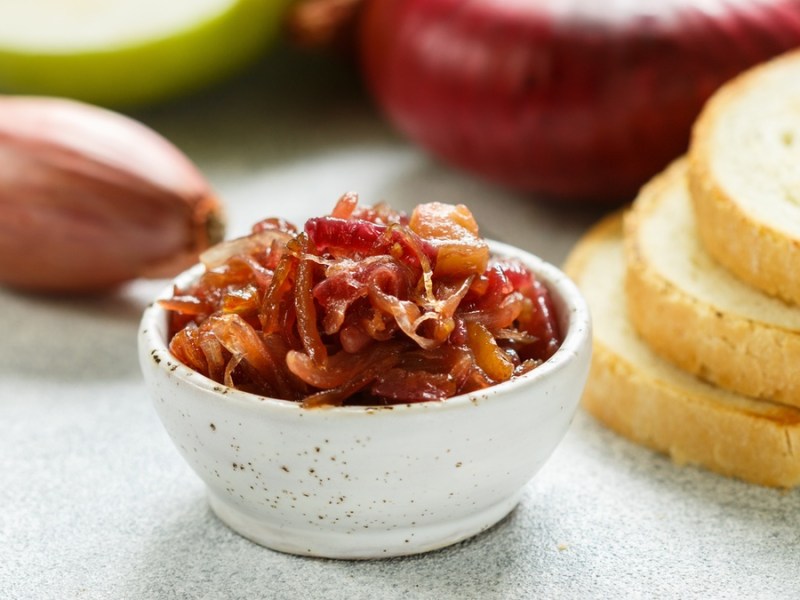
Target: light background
x,y
96,503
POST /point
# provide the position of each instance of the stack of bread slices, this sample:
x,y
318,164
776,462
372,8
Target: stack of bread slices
x,y
695,291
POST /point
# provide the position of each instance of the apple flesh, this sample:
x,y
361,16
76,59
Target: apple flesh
x,y
130,53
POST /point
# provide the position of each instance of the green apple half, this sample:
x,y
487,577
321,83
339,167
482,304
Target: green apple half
x,y
130,52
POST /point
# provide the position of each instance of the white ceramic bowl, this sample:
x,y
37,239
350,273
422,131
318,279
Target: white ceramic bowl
x,y
359,482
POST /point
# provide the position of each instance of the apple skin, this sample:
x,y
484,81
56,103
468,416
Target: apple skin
x,y
153,71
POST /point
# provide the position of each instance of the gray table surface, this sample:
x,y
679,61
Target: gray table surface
x,y
96,503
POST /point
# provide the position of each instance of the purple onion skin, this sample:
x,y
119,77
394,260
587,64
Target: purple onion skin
x,y
578,101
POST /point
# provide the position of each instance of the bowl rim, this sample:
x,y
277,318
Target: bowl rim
x,y
572,306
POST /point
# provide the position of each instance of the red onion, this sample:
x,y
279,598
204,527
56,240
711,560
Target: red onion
x,y
581,100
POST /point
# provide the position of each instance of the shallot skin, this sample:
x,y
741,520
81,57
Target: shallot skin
x,y
90,199
578,101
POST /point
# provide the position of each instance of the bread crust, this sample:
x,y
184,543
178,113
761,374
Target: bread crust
x,y
739,353
736,237
689,428
671,412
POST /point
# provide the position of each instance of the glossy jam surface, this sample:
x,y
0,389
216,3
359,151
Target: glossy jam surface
x,y
365,306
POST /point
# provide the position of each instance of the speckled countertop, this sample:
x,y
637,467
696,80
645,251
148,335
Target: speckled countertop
x,y
96,503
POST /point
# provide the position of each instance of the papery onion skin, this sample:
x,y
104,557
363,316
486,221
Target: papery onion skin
x,y
90,199
580,101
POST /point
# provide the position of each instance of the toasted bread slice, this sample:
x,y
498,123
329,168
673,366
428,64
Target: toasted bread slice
x,y
696,314
646,399
745,177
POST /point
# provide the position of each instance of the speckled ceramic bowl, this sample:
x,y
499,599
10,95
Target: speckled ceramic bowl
x,y
356,482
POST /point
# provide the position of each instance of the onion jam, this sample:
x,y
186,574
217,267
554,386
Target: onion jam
x,y
365,306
